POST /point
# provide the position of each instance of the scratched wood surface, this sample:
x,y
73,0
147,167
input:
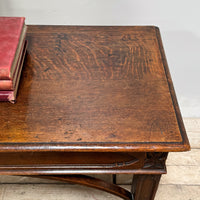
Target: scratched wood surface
x,y
93,88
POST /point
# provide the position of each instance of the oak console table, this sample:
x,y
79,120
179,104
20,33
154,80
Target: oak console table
x,y
93,100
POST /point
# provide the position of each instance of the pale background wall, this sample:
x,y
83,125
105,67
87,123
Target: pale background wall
x,y
179,21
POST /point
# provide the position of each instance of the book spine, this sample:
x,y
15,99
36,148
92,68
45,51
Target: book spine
x,y
11,95
10,84
11,30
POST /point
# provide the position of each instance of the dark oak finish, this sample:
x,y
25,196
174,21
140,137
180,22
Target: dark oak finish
x,y
144,187
93,88
93,100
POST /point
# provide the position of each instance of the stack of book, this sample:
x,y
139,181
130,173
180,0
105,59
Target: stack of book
x,y
12,53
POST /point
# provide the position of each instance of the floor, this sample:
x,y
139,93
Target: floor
x,y
182,181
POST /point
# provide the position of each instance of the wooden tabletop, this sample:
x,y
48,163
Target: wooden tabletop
x,y
93,89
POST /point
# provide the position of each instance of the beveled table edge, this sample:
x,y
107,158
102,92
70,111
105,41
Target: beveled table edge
x,y
85,147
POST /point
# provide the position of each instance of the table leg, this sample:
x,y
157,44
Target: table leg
x,y
144,187
114,178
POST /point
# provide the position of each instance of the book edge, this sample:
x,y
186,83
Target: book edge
x,y
11,94
10,84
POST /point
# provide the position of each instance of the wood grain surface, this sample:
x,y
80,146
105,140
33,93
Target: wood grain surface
x,y
93,88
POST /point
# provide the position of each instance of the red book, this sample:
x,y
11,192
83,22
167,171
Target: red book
x,y
11,94
10,84
12,34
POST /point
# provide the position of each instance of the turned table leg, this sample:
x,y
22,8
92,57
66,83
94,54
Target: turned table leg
x,y
144,187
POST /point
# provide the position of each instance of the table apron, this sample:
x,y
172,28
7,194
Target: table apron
x,y
82,162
